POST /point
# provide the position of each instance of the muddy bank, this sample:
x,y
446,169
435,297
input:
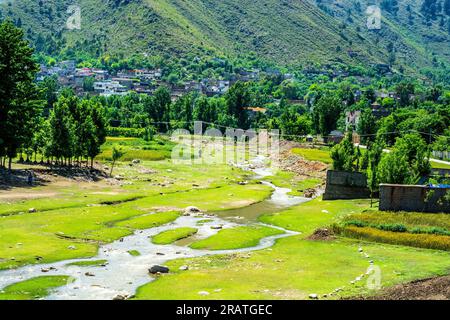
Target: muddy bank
x,y
437,288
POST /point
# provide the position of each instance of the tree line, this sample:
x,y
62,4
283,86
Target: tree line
x,y
74,129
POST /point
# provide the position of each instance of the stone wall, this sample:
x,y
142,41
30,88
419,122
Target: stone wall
x,y
413,198
346,185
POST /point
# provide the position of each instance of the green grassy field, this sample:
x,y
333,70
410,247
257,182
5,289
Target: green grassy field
x,y
93,263
135,148
88,214
170,236
154,193
34,288
236,238
322,155
296,267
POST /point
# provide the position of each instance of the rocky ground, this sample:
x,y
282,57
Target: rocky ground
x,y
294,163
429,289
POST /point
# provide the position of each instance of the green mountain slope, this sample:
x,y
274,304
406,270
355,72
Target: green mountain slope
x,y
281,31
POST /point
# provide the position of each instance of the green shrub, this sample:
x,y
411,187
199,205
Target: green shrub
x,y
392,227
126,132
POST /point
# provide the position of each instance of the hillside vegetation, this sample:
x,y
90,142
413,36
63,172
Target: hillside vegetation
x,y
281,31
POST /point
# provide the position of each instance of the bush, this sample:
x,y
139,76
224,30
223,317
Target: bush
x,y
126,132
392,227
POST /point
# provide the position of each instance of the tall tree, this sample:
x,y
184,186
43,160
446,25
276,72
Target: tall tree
x,y
19,98
238,99
326,113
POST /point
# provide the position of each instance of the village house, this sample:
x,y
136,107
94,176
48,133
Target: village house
x,y
379,111
212,87
80,75
192,86
248,75
126,82
382,95
108,88
145,74
100,74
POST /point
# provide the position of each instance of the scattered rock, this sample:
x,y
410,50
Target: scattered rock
x,y
242,183
360,249
313,296
160,254
120,297
158,269
184,268
309,193
32,210
89,274
191,210
136,161
45,270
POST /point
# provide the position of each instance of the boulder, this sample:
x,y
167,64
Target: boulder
x,y
184,268
136,161
309,193
313,296
191,210
158,269
120,297
32,210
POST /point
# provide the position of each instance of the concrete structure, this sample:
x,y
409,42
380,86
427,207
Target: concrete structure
x,y
394,197
346,185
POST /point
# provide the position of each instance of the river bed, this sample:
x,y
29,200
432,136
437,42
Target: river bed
x,y
124,273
